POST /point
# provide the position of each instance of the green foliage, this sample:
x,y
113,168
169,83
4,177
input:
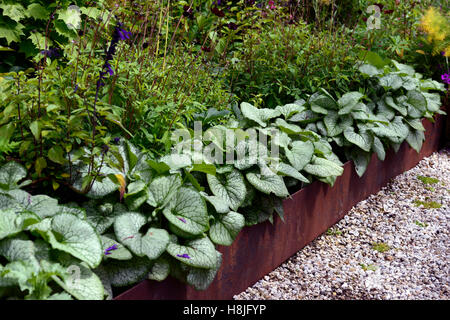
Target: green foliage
x,y
96,124
300,61
42,250
380,247
428,180
30,26
427,204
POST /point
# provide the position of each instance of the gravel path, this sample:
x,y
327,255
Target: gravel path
x,y
388,246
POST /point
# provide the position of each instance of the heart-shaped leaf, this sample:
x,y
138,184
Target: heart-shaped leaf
x,y
71,234
260,116
229,186
164,188
188,212
152,244
300,154
198,253
268,183
225,228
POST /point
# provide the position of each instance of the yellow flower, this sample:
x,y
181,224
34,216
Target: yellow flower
x,y
447,52
434,24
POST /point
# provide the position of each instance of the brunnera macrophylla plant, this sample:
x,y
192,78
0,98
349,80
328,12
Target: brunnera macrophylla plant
x,y
172,215
389,111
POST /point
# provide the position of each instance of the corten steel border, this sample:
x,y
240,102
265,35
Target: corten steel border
x,y
309,212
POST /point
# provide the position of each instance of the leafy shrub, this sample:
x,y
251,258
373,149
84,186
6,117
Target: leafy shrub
x,y
386,113
288,62
30,26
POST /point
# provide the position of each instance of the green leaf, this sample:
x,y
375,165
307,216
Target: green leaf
x,y
120,253
379,148
187,211
335,125
300,154
323,168
200,279
268,183
41,205
415,139
77,237
391,81
384,111
19,249
125,273
11,32
287,127
14,11
369,70
10,174
152,244
36,128
374,59
287,170
225,228
176,161
348,101
37,12
260,116
56,154
40,165
305,117
71,16
198,253
290,109
390,102
229,186
361,139
415,124
8,223
219,204
403,68
101,217
40,41
361,161
83,284
102,185
205,168
433,101
160,270
164,188
322,103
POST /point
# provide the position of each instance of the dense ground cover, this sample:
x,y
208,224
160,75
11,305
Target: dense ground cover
x,y
106,177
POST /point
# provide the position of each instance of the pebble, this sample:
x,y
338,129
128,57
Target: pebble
x,y
412,264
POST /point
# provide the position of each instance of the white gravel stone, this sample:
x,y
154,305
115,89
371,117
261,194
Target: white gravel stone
x,y
344,265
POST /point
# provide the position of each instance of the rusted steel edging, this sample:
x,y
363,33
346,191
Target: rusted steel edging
x,y
309,212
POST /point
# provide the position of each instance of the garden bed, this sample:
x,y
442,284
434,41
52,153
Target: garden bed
x,y
310,212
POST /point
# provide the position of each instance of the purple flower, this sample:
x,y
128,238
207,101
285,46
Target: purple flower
x,y
232,26
182,220
184,255
116,140
108,250
123,34
446,78
218,12
51,53
75,89
109,68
